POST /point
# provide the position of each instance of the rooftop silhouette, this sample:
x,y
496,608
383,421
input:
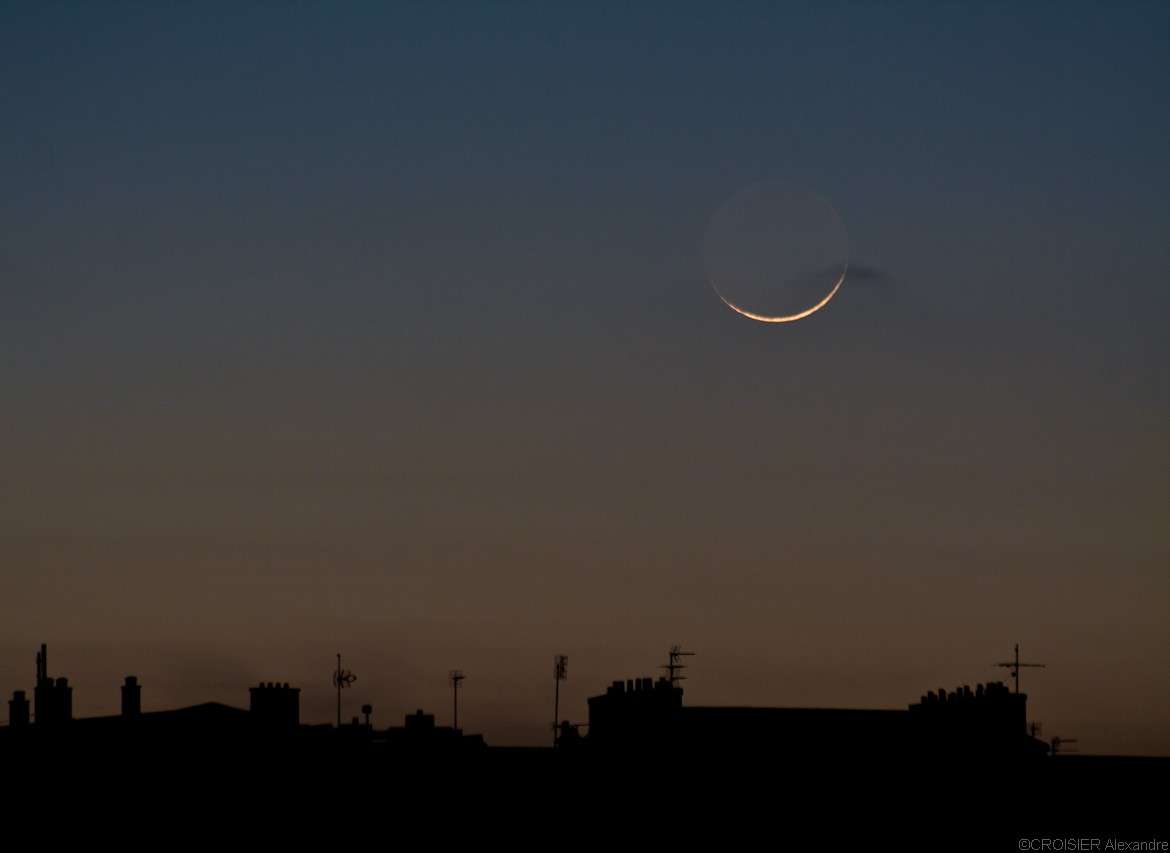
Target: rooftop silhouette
x,y
951,752
640,715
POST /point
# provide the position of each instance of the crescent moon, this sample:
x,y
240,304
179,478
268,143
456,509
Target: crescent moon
x,y
787,318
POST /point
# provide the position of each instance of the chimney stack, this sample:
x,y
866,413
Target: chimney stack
x,y
18,709
276,704
131,698
52,700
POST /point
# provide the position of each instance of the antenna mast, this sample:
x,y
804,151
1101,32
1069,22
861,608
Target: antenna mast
x,y
341,678
675,667
1014,665
560,673
456,677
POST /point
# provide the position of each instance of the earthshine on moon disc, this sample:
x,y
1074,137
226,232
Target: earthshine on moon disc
x,y
776,254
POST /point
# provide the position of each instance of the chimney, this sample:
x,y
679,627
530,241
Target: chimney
x,y
276,704
18,709
131,698
64,699
52,700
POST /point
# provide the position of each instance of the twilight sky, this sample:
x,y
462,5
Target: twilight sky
x,y
383,328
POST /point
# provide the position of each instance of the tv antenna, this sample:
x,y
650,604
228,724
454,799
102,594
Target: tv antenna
x,y
341,678
1058,744
560,673
456,677
1014,665
675,666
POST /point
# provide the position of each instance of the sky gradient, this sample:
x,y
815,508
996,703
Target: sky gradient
x,y
384,329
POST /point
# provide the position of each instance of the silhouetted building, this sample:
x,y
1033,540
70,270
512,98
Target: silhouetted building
x,y
642,714
419,734
990,718
639,711
272,721
276,705
419,724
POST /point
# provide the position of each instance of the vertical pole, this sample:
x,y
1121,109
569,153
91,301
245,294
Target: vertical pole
x,y
337,678
1017,668
556,708
560,673
456,677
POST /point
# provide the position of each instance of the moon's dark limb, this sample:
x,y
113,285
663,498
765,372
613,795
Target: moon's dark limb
x,y
776,254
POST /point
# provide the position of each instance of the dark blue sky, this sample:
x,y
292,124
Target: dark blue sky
x,y
419,287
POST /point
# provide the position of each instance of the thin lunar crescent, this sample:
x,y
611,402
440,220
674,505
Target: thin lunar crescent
x,y
788,318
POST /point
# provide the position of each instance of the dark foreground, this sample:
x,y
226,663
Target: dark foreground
x,y
518,796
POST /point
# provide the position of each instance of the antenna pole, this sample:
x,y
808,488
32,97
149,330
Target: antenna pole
x,y
674,667
456,677
341,678
1014,665
1016,668
560,673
